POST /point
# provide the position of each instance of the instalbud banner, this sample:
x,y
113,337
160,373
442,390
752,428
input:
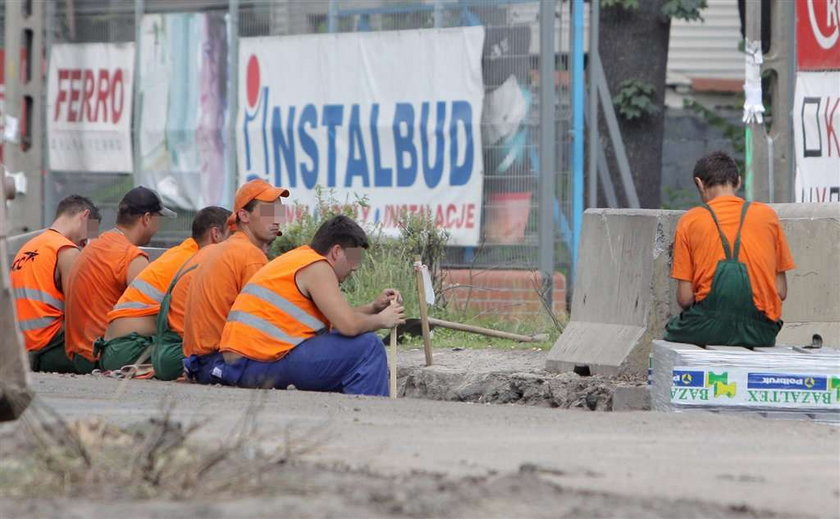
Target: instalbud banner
x,y
816,133
89,94
392,116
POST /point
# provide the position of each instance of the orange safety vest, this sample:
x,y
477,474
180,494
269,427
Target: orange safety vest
x,y
271,316
143,296
39,301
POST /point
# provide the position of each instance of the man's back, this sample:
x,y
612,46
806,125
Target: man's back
x,y
764,249
39,301
143,296
97,281
222,272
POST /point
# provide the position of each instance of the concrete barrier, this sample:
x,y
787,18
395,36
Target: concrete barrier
x,y
624,294
15,394
813,302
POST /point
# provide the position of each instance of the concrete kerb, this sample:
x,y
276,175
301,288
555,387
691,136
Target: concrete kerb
x,y
624,294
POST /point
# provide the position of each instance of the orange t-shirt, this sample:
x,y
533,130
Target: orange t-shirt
x,y
97,280
178,301
143,296
39,301
222,272
764,249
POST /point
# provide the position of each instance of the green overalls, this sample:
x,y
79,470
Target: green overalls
x,y
52,358
168,351
727,316
120,351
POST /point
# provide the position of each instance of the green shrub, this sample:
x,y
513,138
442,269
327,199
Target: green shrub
x,y
389,261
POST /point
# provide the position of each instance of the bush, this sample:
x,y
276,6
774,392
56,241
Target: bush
x,y
389,261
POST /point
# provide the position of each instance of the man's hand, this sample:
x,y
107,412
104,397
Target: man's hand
x,y
392,315
384,299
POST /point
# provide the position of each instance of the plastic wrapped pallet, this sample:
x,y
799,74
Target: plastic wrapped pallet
x,y
776,381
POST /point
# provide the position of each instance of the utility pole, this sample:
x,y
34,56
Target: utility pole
x,y
24,108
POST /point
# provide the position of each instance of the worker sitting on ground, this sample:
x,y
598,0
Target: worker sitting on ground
x,y
105,268
730,258
39,277
291,325
224,269
132,324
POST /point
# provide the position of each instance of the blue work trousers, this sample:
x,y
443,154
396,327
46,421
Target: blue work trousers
x,y
200,367
328,362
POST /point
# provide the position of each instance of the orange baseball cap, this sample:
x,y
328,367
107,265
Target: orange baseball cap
x,y
256,189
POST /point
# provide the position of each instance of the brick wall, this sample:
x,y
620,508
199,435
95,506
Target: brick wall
x,y
511,294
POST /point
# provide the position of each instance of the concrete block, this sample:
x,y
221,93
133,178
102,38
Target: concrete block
x,y
631,398
623,292
813,303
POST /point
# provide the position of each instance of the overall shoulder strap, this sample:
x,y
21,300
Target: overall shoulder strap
x,y
740,226
723,239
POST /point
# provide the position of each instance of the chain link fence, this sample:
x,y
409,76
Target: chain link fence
x,y
510,126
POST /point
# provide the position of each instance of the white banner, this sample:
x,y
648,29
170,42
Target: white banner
x,y
391,116
89,94
816,130
183,108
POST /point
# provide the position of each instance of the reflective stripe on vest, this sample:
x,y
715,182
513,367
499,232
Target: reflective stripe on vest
x,y
133,305
264,326
147,290
34,324
285,305
38,295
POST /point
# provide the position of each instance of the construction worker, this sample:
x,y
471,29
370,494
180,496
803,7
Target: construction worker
x,y
222,270
39,277
132,324
105,268
730,259
291,325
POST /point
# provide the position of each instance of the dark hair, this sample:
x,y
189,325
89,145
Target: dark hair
x,y
248,207
339,230
75,204
717,169
206,219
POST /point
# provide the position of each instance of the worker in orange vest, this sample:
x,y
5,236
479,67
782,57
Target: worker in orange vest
x,y
222,270
39,277
104,270
132,322
291,325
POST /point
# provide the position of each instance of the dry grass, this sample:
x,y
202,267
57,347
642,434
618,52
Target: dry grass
x,y
156,458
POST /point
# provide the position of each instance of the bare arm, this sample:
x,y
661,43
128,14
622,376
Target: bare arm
x,y
382,300
781,285
66,257
319,282
135,267
685,294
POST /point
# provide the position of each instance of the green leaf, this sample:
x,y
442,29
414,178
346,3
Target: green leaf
x,y
688,10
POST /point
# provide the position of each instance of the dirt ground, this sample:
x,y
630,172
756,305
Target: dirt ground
x,y
371,457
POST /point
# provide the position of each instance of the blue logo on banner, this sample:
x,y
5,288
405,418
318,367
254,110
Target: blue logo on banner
x,y
786,381
689,378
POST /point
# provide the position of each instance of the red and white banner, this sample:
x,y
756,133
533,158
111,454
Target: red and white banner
x,y
816,134
818,34
89,101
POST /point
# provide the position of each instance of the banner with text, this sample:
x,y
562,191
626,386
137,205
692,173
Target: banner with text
x,y
816,133
89,94
393,117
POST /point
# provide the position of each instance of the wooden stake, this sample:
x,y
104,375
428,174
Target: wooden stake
x,y
393,363
424,312
488,331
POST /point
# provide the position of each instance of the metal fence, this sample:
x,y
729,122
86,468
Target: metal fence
x,y
512,57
